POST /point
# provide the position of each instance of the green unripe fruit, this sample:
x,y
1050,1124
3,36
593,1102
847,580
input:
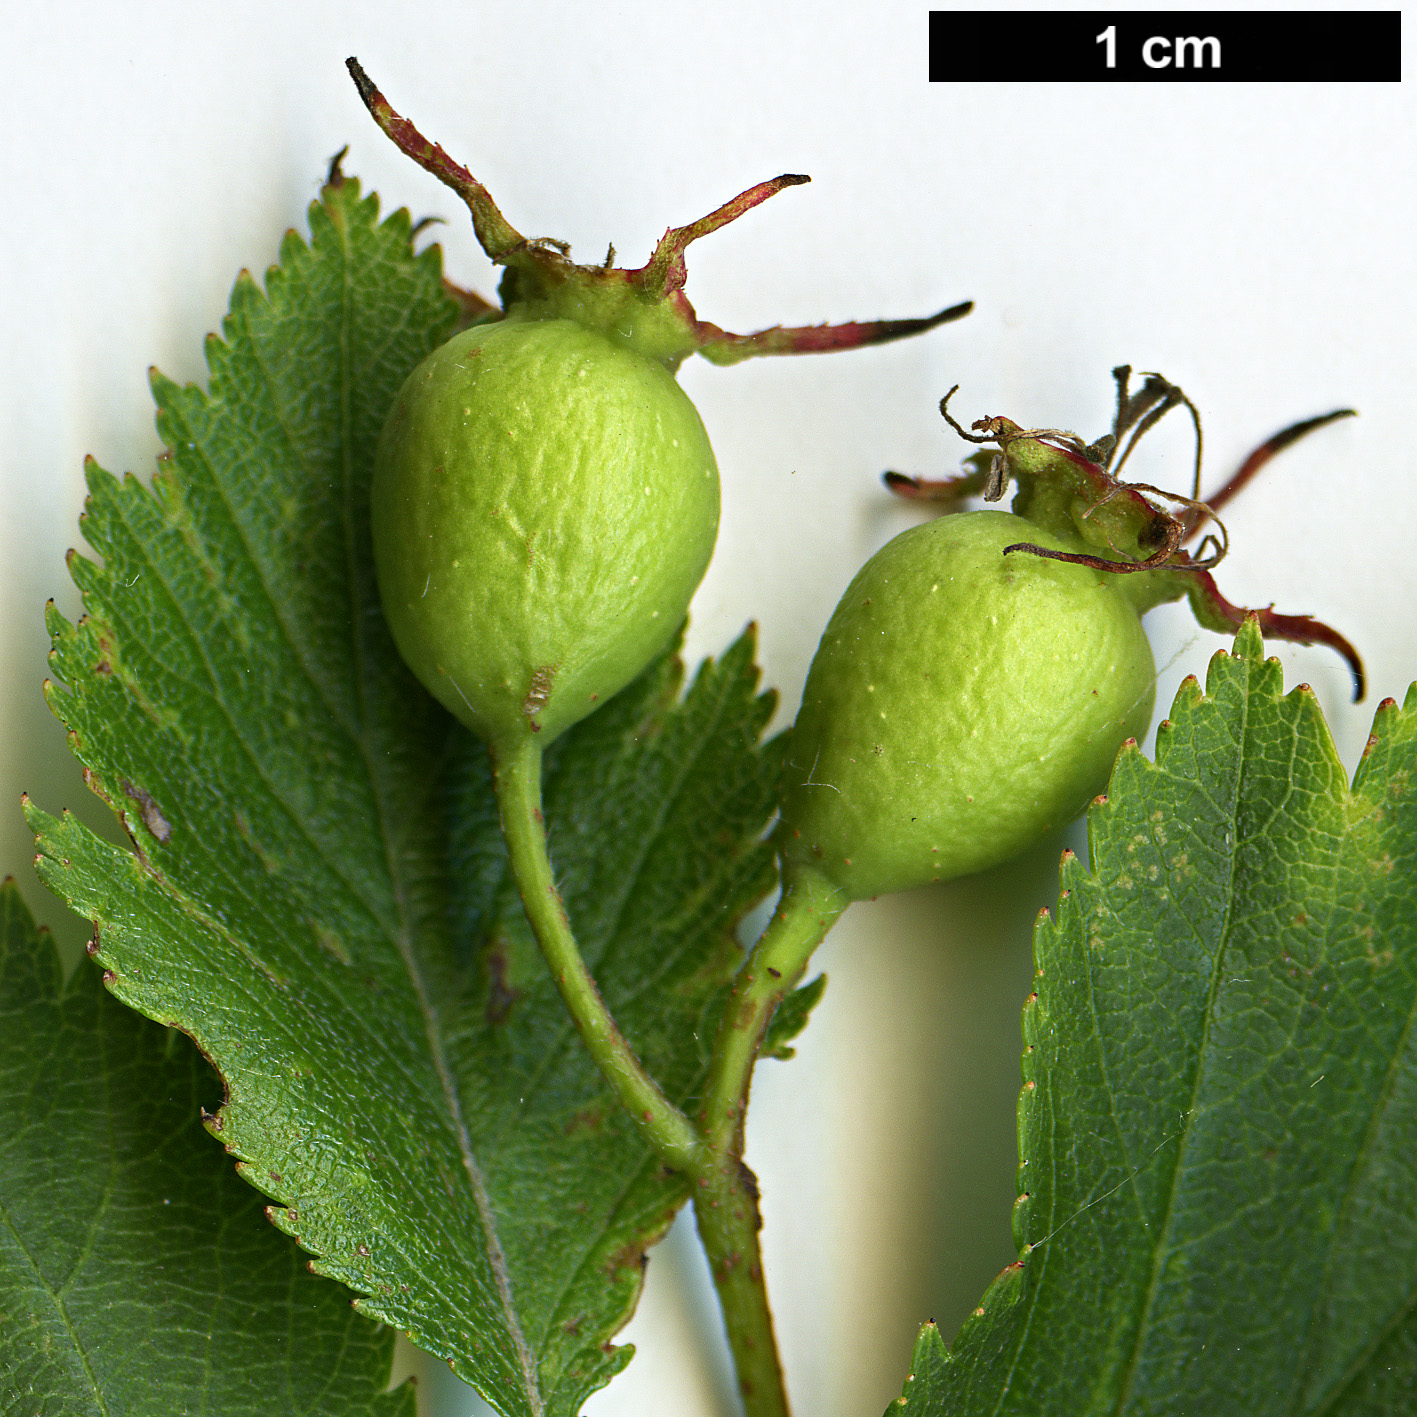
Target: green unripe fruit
x,y
545,502
962,703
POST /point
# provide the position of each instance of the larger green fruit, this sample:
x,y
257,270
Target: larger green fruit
x,y
962,702
544,504
545,500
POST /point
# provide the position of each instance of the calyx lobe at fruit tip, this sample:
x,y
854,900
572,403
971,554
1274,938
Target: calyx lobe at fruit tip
x,y
644,307
1073,490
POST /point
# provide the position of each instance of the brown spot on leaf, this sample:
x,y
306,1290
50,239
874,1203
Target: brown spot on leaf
x,y
500,997
151,813
588,1119
631,1257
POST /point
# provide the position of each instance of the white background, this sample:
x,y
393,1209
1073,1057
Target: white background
x,y
1253,242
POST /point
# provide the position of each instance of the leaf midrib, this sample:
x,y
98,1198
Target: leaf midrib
x,y
400,937
56,1299
496,1256
1162,1246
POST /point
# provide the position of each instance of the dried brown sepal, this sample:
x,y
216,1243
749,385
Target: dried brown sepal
x,y
1097,563
1071,489
949,491
1216,613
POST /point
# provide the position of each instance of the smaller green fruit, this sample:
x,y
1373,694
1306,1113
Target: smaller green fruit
x,y
962,702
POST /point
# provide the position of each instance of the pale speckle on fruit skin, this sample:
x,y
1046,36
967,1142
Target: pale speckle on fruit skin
x,y
954,788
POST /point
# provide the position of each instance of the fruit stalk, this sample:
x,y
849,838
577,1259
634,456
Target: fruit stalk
x,y
725,1191
517,779
809,907
728,1219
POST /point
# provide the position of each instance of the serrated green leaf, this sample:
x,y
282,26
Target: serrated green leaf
x,y
318,893
1218,1129
137,1273
791,1018
929,1376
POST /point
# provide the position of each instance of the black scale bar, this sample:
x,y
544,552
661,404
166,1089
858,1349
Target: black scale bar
x,y
1166,46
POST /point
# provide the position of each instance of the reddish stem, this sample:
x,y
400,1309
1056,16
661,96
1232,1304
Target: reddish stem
x,y
494,231
665,270
1194,519
1298,629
